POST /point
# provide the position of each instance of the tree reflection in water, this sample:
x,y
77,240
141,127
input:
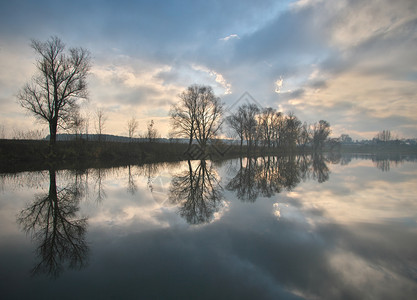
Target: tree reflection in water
x,y
244,181
267,176
320,170
52,221
197,191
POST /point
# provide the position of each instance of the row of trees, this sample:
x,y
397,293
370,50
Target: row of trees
x,y
270,128
199,115
100,124
52,96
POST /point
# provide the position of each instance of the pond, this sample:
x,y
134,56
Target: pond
x,y
292,227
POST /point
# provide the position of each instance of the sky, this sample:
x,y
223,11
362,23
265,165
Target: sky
x,y
352,63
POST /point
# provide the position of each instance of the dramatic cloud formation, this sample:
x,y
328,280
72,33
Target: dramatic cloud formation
x,y
349,62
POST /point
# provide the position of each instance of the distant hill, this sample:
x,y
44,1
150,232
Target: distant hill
x,y
125,139
111,138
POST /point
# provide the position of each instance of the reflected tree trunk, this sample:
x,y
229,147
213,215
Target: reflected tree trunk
x,y
197,192
53,224
266,176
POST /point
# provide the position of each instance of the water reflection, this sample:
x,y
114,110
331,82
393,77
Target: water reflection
x,y
267,176
99,175
350,238
53,222
319,168
382,161
197,192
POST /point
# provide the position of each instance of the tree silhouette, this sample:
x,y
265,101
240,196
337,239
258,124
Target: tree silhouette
x,y
132,126
151,133
235,121
267,176
198,115
197,192
244,181
52,94
321,131
101,119
52,221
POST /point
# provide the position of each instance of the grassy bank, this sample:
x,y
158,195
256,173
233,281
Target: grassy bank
x,y
382,148
27,155
16,155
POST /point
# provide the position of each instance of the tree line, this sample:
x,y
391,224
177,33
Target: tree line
x,y
53,94
200,116
270,128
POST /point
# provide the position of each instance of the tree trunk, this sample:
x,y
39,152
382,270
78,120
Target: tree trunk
x,y
53,125
190,142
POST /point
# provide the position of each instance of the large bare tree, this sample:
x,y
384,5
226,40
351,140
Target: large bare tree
x,y
52,94
183,114
197,115
209,115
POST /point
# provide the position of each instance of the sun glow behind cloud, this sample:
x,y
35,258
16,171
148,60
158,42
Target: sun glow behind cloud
x,y
278,85
218,78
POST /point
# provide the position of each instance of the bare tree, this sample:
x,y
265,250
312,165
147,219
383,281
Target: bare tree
x,y
321,131
183,114
152,133
52,94
235,121
276,128
304,135
132,126
101,119
198,115
384,136
249,112
345,139
77,124
86,124
291,130
268,125
208,119
244,123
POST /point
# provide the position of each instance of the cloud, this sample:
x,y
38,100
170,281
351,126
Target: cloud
x,y
352,68
149,52
218,78
229,37
278,85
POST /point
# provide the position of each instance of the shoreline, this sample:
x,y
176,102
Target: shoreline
x,y
34,155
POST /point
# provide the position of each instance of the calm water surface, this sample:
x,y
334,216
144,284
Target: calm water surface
x,y
267,228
